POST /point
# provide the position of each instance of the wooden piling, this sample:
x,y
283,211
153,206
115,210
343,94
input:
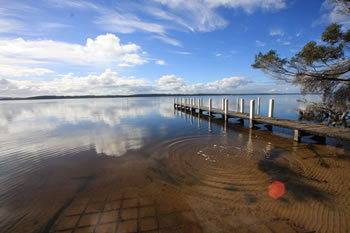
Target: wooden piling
x,y
210,106
251,115
237,105
223,104
258,107
242,105
271,107
226,109
297,135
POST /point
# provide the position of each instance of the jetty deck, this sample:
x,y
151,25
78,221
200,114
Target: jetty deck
x,y
299,128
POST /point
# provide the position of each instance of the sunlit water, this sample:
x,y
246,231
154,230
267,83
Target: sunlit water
x,y
137,165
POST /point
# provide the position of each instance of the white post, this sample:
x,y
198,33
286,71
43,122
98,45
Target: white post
x,y
210,102
223,103
226,109
242,105
181,104
237,105
251,115
272,101
185,104
191,104
258,107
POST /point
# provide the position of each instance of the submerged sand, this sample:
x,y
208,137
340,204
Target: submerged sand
x,y
193,184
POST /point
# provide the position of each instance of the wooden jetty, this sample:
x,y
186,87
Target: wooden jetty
x,y
299,128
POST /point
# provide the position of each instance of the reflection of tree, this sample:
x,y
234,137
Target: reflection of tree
x,y
327,113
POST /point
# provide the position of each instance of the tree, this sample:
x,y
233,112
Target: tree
x,y
318,68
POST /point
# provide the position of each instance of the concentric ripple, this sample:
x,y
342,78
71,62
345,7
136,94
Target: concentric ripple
x,y
218,166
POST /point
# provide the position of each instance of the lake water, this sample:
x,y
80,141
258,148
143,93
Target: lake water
x,y
137,165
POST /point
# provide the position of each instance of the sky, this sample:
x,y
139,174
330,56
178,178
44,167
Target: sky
x,y
112,47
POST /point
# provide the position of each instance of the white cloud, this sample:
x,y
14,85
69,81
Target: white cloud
x,y
167,40
218,54
260,43
182,52
110,83
173,84
22,71
276,32
160,62
104,49
116,22
333,14
106,83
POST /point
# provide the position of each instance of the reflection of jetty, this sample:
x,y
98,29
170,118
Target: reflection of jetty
x,y
300,129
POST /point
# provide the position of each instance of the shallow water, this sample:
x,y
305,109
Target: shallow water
x,y
136,165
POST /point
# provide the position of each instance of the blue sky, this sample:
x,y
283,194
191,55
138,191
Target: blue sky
x,y
72,47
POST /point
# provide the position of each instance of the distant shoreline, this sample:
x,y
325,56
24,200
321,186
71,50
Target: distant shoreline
x,y
138,95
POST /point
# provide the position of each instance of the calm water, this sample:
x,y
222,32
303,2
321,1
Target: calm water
x,y
136,165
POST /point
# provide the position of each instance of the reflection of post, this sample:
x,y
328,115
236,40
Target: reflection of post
x,y
242,105
225,126
237,105
258,107
250,147
271,106
226,109
209,124
191,118
251,114
185,115
199,106
199,120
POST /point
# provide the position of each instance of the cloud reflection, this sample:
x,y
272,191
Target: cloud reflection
x,y
109,126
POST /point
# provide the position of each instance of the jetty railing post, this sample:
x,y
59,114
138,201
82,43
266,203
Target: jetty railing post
x,y
251,115
258,107
226,109
237,105
223,103
191,104
271,107
210,103
242,105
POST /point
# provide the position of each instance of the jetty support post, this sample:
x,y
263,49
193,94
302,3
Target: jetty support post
x,y
251,115
258,107
185,104
191,104
210,105
242,105
271,107
297,135
237,105
223,104
226,109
